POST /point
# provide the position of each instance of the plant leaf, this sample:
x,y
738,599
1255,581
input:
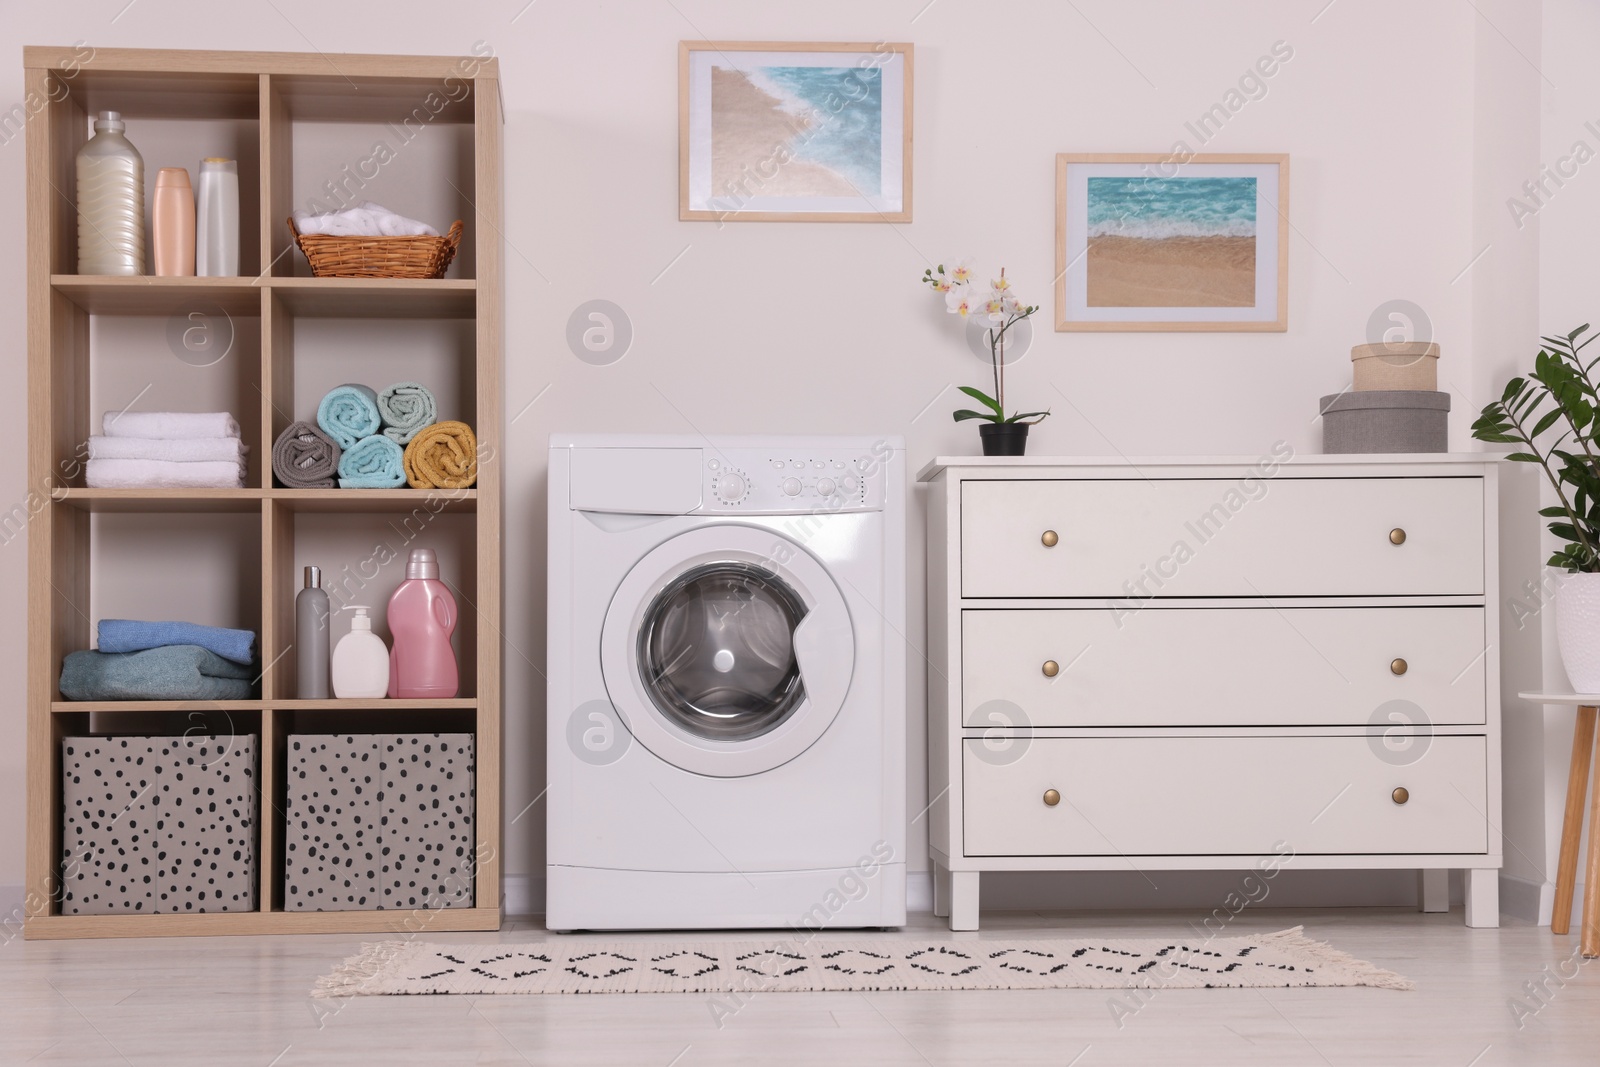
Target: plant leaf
x,y
964,414
983,398
1028,415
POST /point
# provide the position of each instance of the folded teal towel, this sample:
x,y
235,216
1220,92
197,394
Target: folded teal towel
x,y
405,408
372,463
129,635
348,413
177,672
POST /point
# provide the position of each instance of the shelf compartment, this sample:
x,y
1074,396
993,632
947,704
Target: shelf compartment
x,y
363,562
149,501
149,295
197,358
118,761
392,298
373,501
421,168
200,568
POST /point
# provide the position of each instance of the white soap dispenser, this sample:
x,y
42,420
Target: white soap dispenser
x,y
360,661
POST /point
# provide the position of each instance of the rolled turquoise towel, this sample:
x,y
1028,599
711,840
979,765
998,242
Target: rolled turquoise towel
x,y
372,463
348,413
405,408
176,672
130,635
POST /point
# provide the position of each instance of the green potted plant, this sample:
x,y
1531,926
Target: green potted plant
x,y
1001,434
1554,414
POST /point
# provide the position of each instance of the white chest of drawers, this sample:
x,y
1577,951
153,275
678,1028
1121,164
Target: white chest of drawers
x,y
1211,663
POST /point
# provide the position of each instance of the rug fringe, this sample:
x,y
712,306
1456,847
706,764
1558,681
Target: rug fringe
x,y
352,976
1324,954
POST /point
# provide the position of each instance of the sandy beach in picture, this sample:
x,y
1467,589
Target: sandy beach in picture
x,y
768,140
1172,271
1171,242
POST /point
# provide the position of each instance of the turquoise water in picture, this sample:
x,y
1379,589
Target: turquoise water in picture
x,y
845,105
1172,207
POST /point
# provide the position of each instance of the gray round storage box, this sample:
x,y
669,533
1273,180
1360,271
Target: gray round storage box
x,y
1384,421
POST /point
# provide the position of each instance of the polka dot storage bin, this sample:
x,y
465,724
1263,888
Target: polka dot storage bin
x,y
379,821
158,824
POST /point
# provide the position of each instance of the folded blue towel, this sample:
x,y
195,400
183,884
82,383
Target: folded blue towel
x,y
177,672
348,413
406,408
372,463
128,635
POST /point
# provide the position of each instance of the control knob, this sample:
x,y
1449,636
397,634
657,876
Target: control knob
x,y
825,487
791,487
731,488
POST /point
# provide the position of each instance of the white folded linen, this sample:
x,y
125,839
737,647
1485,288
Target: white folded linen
x,y
163,474
366,219
169,425
182,450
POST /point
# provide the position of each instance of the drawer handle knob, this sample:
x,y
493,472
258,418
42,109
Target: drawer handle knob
x,y
1049,539
1397,666
1397,536
1051,668
1401,794
1051,798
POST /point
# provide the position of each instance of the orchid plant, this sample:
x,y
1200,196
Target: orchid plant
x,y
1003,310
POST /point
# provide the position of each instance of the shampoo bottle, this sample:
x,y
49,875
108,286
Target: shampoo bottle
x,y
422,616
172,218
361,661
217,224
311,633
110,201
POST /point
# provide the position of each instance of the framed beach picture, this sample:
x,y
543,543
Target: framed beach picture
x,y
794,131
1152,242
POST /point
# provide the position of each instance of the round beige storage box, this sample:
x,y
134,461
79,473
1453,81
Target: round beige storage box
x,y
1402,365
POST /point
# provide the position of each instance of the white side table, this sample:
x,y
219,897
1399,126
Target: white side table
x,y
1583,751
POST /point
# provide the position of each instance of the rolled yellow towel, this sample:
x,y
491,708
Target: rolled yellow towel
x,y
442,456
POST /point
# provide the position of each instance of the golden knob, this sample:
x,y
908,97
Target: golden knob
x,y
1401,794
1051,668
1049,538
1397,536
1051,798
1397,666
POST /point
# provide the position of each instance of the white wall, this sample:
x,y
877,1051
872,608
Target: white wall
x,y
822,328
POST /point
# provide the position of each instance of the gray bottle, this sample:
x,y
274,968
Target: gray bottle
x,y
312,633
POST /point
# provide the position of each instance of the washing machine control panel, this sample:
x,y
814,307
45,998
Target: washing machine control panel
x,y
797,481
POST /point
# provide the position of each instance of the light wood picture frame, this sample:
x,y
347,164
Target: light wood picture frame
x,y
784,131
1172,243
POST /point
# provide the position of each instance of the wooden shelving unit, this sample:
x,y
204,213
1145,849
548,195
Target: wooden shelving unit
x,y
280,108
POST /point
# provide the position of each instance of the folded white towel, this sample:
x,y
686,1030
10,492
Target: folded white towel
x,y
366,219
183,450
169,425
161,474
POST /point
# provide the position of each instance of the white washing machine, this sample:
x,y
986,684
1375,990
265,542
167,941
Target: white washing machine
x,y
726,679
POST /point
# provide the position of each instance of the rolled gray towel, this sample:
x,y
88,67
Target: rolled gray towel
x,y
406,408
303,457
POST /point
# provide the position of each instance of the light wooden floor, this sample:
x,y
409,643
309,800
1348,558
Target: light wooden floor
x,y
244,1001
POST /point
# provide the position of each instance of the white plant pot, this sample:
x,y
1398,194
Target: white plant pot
x,y
1578,630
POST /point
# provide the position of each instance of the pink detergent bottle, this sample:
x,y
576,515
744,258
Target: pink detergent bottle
x,y
422,616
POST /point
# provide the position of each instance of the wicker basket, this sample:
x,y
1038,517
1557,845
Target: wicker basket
x,y
378,257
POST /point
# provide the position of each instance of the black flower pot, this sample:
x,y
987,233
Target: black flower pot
x,y
1004,438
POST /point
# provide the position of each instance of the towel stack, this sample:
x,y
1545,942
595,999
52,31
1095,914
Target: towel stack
x,y
162,661
167,450
359,436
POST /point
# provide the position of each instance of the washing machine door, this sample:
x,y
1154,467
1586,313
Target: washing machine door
x,y
728,650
